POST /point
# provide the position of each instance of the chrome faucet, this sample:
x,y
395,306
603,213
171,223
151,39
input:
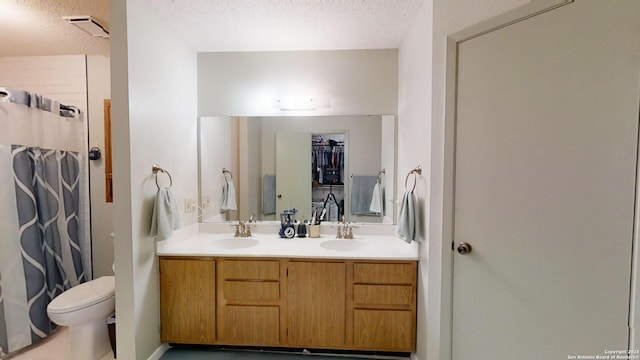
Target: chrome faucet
x,y
243,229
345,230
247,229
239,229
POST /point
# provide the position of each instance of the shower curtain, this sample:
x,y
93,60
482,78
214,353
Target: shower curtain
x,y
40,222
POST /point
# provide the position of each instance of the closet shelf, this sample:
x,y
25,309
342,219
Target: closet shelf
x,y
326,186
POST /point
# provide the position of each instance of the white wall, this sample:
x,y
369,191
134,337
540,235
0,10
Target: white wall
x,y
250,167
154,102
99,89
215,153
62,78
358,82
414,140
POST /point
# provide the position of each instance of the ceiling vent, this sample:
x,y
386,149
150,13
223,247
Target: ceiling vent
x,y
88,24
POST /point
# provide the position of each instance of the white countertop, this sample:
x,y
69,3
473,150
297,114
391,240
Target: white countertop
x,y
374,247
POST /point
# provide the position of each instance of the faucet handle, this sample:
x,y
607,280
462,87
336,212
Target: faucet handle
x,y
247,230
237,234
339,234
349,235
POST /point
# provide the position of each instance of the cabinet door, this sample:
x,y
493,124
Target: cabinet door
x,y
316,304
250,325
384,330
187,300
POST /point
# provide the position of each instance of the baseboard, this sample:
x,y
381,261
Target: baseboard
x,y
159,352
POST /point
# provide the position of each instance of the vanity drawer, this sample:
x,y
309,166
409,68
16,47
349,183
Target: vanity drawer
x,y
384,273
383,294
250,269
251,290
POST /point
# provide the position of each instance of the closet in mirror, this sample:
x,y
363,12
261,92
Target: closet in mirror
x,y
327,173
344,165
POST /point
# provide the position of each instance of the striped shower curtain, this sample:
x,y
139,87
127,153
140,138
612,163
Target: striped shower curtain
x,y
39,237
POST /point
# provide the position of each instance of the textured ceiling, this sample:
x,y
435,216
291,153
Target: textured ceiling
x,y
273,25
35,27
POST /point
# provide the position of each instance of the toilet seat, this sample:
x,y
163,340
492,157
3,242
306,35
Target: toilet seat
x,y
83,295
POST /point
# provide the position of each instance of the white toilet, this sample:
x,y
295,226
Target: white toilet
x,y
85,309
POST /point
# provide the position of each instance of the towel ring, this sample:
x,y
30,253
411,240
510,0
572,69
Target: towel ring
x,y
155,169
416,171
380,174
225,172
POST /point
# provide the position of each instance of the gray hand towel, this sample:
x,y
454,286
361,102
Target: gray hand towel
x,y
165,216
269,194
406,229
361,194
228,198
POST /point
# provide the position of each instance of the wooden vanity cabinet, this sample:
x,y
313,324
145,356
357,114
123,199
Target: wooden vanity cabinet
x,y
187,300
299,303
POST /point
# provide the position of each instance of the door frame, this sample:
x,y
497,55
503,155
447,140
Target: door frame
x,y
443,275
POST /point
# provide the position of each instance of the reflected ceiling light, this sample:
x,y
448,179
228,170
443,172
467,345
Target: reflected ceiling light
x,y
88,24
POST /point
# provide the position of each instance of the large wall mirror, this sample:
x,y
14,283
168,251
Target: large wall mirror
x,y
262,166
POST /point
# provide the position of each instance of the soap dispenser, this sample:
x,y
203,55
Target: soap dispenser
x,y
302,229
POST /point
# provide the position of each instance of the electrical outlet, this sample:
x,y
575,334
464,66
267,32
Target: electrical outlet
x,y
189,205
206,201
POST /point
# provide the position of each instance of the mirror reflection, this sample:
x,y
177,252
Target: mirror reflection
x,y
332,166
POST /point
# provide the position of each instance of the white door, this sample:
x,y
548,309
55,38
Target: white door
x,y
546,139
293,169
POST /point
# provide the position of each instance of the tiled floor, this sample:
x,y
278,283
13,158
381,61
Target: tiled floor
x,y
52,348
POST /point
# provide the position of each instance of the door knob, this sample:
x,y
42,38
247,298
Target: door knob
x,y
464,248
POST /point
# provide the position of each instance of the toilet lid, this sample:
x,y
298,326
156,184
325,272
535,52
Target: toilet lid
x,y
83,295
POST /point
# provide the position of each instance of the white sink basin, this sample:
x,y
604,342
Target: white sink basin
x,y
344,245
234,243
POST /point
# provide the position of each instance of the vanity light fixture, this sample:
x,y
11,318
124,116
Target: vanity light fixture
x,y
88,24
302,102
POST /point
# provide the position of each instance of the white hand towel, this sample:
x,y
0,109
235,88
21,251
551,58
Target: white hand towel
x,y
376,200
165,216
406,229
228,200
